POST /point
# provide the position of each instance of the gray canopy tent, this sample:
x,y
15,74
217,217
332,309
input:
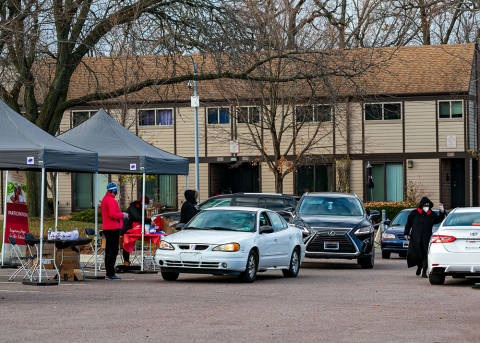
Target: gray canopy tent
x,y
24,146
122,152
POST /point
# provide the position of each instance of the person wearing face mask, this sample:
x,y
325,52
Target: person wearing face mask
x,y
134,212
419,230
111,224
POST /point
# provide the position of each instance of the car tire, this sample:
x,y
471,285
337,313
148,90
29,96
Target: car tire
x,y
436,278
402,254
386,254
294,267
367,263
170,276
250,272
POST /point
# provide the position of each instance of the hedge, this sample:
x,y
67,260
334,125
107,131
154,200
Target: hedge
x,y
391,208
87,216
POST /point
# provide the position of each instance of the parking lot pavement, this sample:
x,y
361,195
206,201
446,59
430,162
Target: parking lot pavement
x,y
330,301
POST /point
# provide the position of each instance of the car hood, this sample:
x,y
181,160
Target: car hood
x,y
335,221
395,229
207,237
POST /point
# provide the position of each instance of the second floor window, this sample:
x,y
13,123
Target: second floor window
x,y
248,114
450,109
156,117
388,111
79,117
313,113
218,115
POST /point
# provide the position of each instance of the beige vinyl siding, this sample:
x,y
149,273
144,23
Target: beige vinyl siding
x,y
64,194
288,184
65,122
324,138
162,137
356,178
185,122
420,127
340,129
355,125
384,136
448,127
204,183
268,179
425,176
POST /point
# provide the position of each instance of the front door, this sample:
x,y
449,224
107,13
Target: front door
x,y
458,183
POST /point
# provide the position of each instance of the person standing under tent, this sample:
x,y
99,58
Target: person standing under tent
x,y
134,212
112,224
188,210
419,230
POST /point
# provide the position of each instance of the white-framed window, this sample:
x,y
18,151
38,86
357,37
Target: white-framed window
x,y
450,109
218,115
313,113
384,111
79,117
248,114
155,117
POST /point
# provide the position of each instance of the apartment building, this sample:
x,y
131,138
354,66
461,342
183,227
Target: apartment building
x,y
417,127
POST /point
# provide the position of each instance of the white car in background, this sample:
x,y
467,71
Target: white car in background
x,y
232,241
455,248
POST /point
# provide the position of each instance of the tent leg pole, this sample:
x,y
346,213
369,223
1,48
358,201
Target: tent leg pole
x,y
96,220
42,192
4,216
143,215
56,203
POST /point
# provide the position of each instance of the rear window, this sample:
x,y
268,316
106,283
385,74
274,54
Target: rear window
x,y
246,202
463,219
275,204
215,202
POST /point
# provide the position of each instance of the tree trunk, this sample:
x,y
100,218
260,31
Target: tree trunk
x,y
278,182
34,187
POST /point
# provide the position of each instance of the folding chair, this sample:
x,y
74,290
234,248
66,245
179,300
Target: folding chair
x,y
24,262
33,251
100,253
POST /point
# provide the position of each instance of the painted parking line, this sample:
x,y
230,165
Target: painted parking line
x,y
8,291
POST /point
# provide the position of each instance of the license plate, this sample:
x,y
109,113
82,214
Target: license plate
x,y
405,244
191,256
331,245
472,245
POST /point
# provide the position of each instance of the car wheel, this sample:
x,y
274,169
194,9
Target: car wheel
x,y
386,254
436,278
367,263
250,272
169,276
402,254
294,268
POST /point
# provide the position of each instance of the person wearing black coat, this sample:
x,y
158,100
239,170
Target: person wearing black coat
x,y
188,210
134,216
419,230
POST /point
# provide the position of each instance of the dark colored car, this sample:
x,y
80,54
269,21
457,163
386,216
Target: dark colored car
x,y
393,240
271,201
336,225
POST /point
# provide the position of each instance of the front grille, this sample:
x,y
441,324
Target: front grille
x,y
344,243
197,247
192,264
201,247
402,237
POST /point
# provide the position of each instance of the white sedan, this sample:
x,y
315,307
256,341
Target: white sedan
x,y
455,248
232,241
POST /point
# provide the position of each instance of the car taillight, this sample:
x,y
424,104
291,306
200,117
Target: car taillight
x,y
442,239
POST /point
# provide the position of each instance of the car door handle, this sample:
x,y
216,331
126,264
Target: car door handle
x,y
275,239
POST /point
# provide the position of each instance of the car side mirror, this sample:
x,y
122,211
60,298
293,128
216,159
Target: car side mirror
x,y
180,226
386,222
266,229
373,213
290,211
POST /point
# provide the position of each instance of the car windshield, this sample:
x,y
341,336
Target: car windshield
x,y
401,218
223,220
331,206
463,219
215,202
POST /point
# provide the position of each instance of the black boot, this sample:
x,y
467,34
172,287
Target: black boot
x,y
419,270
424,273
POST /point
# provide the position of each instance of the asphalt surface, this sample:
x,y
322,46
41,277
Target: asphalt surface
x,y
330,301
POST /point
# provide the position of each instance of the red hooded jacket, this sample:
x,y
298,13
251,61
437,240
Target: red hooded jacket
x,y
111,214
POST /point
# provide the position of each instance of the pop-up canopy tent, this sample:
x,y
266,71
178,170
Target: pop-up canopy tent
x,y
121,152
24,146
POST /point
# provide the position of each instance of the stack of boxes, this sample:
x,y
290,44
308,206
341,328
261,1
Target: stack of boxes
x,y
68,264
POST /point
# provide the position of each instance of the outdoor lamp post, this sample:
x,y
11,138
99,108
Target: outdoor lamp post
x,y
370,184
195,102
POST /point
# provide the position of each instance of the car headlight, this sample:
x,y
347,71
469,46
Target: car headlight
x,y
301,228
166,246
364,230
227,247
388,236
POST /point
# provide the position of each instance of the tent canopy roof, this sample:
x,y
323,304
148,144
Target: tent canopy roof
x,y
23,145
120,151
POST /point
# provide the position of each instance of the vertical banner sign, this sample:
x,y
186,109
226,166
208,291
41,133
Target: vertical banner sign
x,y
17,215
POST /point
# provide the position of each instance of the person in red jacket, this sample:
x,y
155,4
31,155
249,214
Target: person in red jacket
x,y
112,224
